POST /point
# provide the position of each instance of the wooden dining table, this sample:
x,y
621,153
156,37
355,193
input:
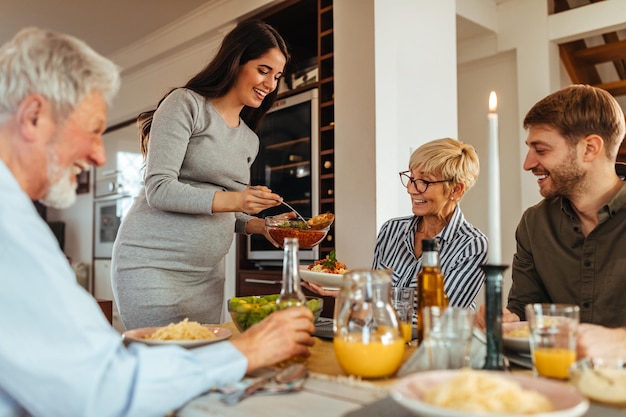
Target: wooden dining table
x,y
327,392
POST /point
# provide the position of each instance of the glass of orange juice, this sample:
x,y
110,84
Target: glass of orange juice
x,y
403,299
553,331
368,341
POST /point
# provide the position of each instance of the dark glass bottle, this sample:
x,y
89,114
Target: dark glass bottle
x,y
430,290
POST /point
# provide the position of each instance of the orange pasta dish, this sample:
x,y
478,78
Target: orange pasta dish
x,y
329,265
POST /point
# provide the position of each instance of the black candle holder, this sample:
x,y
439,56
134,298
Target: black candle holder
x,y
493,316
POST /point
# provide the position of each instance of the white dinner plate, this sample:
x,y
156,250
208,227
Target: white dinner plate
x,y
323,279
409,391
517,344
138,335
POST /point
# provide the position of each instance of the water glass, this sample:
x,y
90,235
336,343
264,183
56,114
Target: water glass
x,y
553,332
403,300
447,336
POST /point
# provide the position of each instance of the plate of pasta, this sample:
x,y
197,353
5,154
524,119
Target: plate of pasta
x,y
478,393
327,272
188,334
515,336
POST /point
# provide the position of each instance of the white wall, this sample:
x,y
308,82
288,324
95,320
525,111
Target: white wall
x,y
475,80
395,88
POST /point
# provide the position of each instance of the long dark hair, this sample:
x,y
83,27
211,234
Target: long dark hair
x,y
247,41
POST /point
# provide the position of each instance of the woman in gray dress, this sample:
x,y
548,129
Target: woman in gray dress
x,y
199,143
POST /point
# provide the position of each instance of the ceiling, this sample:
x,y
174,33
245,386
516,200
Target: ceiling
x,y
107,25
110,25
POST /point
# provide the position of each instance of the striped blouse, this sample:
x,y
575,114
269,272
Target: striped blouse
x,y
462,250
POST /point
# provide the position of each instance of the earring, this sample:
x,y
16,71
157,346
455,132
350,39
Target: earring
x,y
452,198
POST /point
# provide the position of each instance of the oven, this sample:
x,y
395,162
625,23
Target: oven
x,y
108,214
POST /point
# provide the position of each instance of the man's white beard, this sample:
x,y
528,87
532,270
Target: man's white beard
x,y
62,193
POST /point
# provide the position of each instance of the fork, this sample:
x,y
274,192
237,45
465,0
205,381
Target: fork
x,y
289,374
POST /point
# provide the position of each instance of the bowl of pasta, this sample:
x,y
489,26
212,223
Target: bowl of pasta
x,y
479,393
188,334
327,272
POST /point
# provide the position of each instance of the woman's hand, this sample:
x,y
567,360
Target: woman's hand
x,y
258,198
251,200
257,226
319,290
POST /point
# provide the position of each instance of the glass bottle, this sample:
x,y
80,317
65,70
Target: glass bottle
x,y
291,292
368,341
430,290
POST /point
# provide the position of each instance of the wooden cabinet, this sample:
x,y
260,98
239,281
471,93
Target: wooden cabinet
x,y
307,27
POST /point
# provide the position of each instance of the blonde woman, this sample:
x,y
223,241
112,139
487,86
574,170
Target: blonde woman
x,y
440,173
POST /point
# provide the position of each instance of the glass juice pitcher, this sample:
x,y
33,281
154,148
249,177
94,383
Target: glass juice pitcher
x,y
368,341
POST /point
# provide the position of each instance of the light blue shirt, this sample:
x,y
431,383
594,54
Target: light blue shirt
x,y
58,354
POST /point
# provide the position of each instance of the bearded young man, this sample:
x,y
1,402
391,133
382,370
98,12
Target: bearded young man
x,y
570,246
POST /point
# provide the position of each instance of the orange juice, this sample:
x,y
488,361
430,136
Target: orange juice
x,y
369,360
407,331
553,362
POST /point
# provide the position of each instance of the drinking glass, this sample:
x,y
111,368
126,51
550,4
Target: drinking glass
x,y
553,331
447,336
403,300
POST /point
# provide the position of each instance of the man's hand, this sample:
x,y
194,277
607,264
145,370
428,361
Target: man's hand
x,y
507,317
594,340
280,336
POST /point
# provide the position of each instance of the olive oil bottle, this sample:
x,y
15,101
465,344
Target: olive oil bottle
x,y
430,291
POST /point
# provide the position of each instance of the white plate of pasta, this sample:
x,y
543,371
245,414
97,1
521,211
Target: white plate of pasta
x,y
185,334
515,336
327,272
323,279
461,393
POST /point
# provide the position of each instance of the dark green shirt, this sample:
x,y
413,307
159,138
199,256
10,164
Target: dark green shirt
x,y
556,263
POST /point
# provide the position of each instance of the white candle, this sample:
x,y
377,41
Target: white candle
x,y
495,245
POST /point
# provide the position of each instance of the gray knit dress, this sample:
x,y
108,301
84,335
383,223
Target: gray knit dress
x,y
168,257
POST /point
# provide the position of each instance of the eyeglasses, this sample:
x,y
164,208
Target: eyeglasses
x,y
420,185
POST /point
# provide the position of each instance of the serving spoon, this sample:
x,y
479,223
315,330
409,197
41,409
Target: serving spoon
x,y
308,226
282,202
